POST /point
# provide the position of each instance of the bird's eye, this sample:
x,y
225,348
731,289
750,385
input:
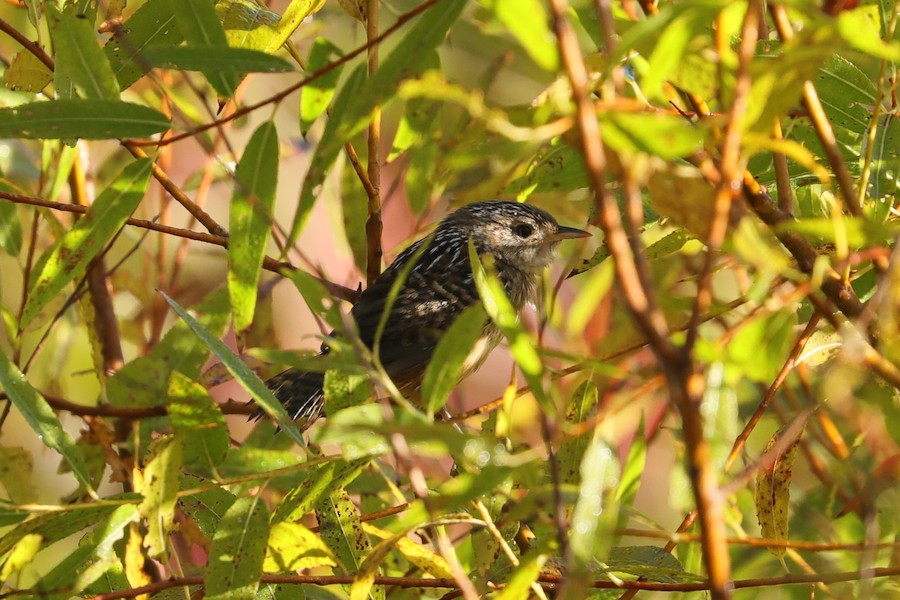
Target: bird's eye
x,y
523,230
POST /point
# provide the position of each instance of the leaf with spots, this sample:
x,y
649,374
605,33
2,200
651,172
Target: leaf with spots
x,y
773,486
70,258
571,452
198,420
161,478
238,549
252,203
292,547
342,531
320,482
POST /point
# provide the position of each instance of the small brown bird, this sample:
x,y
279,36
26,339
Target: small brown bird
x,y
437,289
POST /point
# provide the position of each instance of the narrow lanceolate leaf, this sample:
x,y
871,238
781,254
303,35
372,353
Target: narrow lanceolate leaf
x,y
153,23
502,313
200,26
57,525
84,119
571,452
519,585
326,152
198,421
251,217
773,489
215,58
353,106
448,363
93,557
79,58
595,515
162,476
342,531
70,258
41,418
320,482
238,549
315,97
527,21
241,372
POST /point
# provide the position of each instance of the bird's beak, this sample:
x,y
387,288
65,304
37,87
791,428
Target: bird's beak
x,y
569,233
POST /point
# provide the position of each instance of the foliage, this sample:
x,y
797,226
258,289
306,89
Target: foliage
x,y
727,344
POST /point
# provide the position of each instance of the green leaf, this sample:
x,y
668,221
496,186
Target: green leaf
x,y
315,97
250,219
93,557
527,21
201,28
56,525
503,314
861,29
42,420
198,421
215,58
152,24
448,363
206,508
519,584
650,562
343,389
84,119
847,94
666,136
326,152
320,481
885,176
561,169
162,476
571,452
772,332
10,229
241,372
342,531
238,549
353,106
16,468
92,232
595,513
79,58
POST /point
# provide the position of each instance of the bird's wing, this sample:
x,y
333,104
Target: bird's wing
x,y
435,291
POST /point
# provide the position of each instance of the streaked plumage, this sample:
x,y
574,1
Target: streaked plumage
x,y
437,289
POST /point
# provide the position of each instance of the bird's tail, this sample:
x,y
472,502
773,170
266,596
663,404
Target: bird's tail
x,y
300,392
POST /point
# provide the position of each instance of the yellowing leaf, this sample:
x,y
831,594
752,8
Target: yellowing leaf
x,y
773,489
292,547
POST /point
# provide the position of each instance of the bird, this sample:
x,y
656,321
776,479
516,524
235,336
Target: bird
x,y
438,286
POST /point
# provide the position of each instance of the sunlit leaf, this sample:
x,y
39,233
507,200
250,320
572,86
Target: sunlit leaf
x,y
238,549
252,203
84,119
214,58
152,24
292,547
315,97
41,418
92,232
161,477
79,58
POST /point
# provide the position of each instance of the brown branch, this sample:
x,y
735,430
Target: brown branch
x,y
32,47
269,263
546,578
685,381
128,412
729,165
99,289
789,364
374,225
820,121
401,20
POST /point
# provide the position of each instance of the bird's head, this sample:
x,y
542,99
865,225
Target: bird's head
x,y
517,234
